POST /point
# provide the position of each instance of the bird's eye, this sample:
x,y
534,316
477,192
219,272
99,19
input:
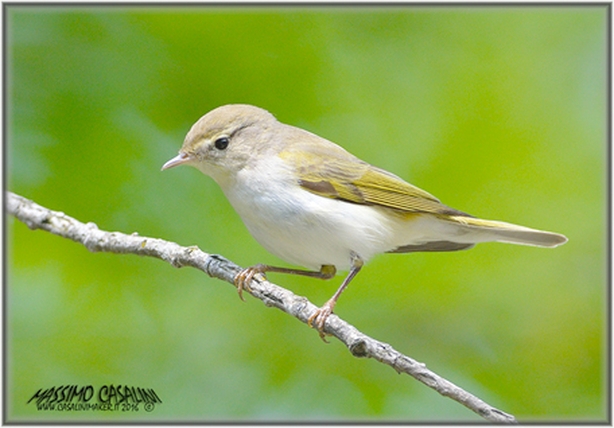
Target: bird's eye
x,y
221,143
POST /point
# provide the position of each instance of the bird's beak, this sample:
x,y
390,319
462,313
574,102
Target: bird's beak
x,y
180,159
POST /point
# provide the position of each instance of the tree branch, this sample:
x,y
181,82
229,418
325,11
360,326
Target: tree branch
x,y
359,344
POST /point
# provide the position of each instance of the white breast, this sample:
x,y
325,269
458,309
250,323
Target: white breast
x,y
303,228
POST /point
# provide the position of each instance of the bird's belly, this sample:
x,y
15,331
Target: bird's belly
x,y
310,230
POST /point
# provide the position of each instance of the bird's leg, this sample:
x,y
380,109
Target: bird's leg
x,y
318,319
244,277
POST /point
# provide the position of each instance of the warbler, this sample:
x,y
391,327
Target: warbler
x,y
313,204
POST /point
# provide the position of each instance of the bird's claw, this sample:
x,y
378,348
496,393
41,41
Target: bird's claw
x,y
243,278
318,319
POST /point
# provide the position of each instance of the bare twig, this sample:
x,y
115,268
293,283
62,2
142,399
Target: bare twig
x,y
359,344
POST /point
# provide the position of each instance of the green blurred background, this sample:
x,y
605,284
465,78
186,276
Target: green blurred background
x,y
498,111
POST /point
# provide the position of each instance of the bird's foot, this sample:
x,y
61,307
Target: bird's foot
x,y
244,277
318,319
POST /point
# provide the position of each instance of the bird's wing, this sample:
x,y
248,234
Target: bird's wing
x,y
348,178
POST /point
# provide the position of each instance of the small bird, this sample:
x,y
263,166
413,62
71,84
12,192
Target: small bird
x,y
313,204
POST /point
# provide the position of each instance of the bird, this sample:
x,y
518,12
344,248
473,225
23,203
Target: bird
x,y
313,204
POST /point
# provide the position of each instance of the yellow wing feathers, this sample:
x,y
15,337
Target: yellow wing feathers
x,y
342,176
356,181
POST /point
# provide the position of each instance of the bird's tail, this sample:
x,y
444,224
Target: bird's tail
x,y
490,230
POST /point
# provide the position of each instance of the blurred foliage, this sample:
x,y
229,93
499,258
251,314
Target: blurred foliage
x,y
498,111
